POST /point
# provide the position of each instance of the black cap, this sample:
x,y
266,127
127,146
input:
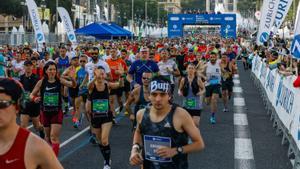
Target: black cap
x,y
27,63
12,88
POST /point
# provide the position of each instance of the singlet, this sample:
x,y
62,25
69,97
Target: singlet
x,y
158,134
142,103
192,101
63,64
213,74
227,74
51,97
14,157
100,102
28,85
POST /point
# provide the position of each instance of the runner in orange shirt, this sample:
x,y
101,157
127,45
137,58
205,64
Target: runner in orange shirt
x,y
118,69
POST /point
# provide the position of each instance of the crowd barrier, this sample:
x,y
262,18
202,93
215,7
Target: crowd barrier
x,y
282,102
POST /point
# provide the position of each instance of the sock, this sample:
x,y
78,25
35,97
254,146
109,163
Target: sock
x,y
105,150
55,147
212,114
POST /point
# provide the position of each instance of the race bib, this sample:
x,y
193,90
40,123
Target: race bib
x,y
214,81
152,143
100,106
190,103
26,96
51,99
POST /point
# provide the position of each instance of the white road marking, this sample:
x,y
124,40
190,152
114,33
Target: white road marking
x,y
238,101
236,76
240,119
236,81
243,149
78,134
237,90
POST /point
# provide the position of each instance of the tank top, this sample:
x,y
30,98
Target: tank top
x,y
192,101
227,74
51,97
142,103
63,64
100,102
158,134
213,74
14,157
28,85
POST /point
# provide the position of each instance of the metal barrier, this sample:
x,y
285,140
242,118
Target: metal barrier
x,y
287,140
20,38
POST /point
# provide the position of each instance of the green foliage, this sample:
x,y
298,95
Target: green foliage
x,y
11,7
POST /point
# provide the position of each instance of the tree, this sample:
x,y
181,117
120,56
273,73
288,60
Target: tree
x,y
11,7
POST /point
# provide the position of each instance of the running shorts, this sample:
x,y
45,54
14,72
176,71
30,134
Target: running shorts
x,y
98,121
55,118
31,109
213,89
194,112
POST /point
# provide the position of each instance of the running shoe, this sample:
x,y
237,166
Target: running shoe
x,y
106,167
76,124
126,113
93,139
225,110
212,120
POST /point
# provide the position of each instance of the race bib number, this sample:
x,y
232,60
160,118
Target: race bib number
x,y
100,106
26,96
152,143
51,99
190,103
214,80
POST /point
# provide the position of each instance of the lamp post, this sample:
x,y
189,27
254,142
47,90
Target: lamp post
x,y
23,4
43,6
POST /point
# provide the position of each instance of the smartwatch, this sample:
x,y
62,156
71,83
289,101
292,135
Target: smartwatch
x,y
179,150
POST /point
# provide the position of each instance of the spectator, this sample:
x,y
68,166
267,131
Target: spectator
x,y
297,81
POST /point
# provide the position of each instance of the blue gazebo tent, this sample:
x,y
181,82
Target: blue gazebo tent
x,y
104,31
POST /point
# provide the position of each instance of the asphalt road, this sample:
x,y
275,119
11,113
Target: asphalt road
x,y
78,153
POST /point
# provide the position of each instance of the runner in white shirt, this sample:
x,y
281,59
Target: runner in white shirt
x,y
168,67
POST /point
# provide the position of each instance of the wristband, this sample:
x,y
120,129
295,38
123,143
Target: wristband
x,y
136,146
33,98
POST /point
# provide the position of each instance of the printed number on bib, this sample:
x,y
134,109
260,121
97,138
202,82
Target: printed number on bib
x,y
190,103
51,99
26,96
100,106
214,80
152,143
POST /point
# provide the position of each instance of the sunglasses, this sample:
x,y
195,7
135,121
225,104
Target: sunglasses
x,y
94,53
146,78
82,61
6,103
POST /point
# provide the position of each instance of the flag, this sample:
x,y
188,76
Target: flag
x,y
295,47
64,15
266,20
36,21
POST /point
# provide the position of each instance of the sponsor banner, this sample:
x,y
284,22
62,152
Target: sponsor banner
x,y
36,21
64,15
295,48
266,21
283,96
282,10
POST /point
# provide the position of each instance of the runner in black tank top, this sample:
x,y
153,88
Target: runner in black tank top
x,y
162,131
50,98
99,110
137,96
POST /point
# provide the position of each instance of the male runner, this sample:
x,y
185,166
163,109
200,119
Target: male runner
x,y
163,130
31,110
213,84
19,148
139,96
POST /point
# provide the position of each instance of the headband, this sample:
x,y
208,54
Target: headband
x,y
160,86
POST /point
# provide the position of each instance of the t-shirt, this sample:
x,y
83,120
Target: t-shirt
x,y
17,65
138,67
89,68
114,65
2,68
171,64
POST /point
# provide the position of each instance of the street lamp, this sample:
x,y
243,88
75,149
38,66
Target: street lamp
x,y
23,4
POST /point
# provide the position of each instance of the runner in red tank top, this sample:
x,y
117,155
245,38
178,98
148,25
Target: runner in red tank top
x,y
20,149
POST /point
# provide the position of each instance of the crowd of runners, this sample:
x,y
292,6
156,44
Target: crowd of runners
x,y
92,79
